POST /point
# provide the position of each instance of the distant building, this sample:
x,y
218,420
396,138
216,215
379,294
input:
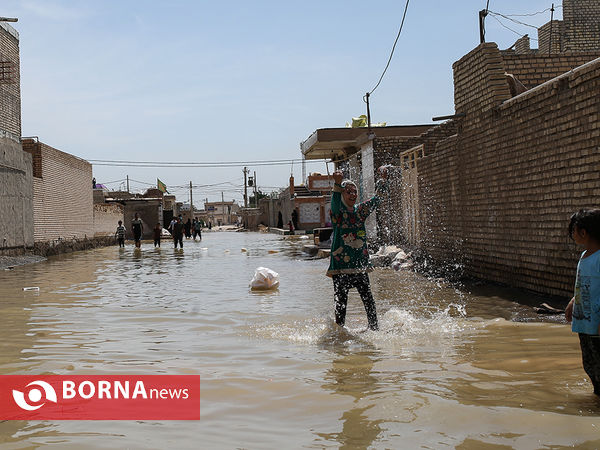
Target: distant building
x,y
221,213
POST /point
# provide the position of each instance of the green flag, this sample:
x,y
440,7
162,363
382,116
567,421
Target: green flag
x,y
161,186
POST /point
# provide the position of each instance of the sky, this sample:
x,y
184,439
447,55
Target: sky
x,y
237,81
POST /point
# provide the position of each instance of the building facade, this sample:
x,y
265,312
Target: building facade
x,y
16,189
62,193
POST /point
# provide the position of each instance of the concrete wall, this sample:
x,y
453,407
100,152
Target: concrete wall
x,y
497,196
106,218
62,194
16,197
150,211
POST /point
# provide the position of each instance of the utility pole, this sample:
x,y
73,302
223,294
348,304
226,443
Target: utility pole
x,y
245,187
191,203
222,209
127,183
482,15
551,19
255,192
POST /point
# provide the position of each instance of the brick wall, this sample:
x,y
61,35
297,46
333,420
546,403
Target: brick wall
x,y
62,195
388,150
498,195
106,218
10,87
581,25
549,35
535,69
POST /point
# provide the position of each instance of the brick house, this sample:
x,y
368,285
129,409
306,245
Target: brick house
x,y
16,189
492,190
62,193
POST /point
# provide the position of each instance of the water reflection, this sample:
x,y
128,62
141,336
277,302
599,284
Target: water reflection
x,y
351,374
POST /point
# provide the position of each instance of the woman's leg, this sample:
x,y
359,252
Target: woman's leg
x,y
340,288
363,286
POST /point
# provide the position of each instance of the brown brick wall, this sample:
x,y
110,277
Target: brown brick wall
x,y
62,197
535,69
479,80
500,193
554,29
10,91
581,25
387,150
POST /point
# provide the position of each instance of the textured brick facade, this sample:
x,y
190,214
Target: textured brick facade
x,y
535,69
10,87
62,194
581,25
497,196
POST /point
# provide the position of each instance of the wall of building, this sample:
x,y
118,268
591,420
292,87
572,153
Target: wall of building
x,y
16,197
16,192
535,69
10,85
497,197
149,210
106,218
62,194
581,25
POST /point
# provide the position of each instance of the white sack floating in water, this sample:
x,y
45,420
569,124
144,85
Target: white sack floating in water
x,y
264,279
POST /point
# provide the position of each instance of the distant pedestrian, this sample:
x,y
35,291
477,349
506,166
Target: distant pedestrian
x,y
120,234
584,308
157,233
138,228
173,222
349,259
178,233
198,229
291,226
209,225
188,229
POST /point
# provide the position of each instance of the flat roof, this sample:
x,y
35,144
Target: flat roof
x,y
326,143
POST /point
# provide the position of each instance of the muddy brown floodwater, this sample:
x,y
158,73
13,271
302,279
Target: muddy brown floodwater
x,y
451,368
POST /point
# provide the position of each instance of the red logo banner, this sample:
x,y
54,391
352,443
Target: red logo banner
x,y
99,397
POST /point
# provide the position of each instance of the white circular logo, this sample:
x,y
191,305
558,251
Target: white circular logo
x,y
35,395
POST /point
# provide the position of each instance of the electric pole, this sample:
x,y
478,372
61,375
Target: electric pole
x,y
245,187
191,203
255,192
127,183
222,208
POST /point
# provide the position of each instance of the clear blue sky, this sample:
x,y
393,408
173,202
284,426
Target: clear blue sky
x,y
202,81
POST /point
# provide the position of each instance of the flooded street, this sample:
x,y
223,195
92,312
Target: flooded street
x,y
450,368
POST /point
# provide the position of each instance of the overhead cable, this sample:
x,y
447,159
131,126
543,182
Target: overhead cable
x,y
393,48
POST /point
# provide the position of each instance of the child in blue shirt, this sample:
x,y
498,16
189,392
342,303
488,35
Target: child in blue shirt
x,y
584,308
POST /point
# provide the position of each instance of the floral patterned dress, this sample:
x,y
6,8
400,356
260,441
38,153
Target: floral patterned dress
x,y
349,252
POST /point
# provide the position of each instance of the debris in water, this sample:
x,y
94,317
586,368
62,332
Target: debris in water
x,y
264,279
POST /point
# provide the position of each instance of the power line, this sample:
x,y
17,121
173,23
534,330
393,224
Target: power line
x,y
393,48
508,28
512,20
533,14
125,163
